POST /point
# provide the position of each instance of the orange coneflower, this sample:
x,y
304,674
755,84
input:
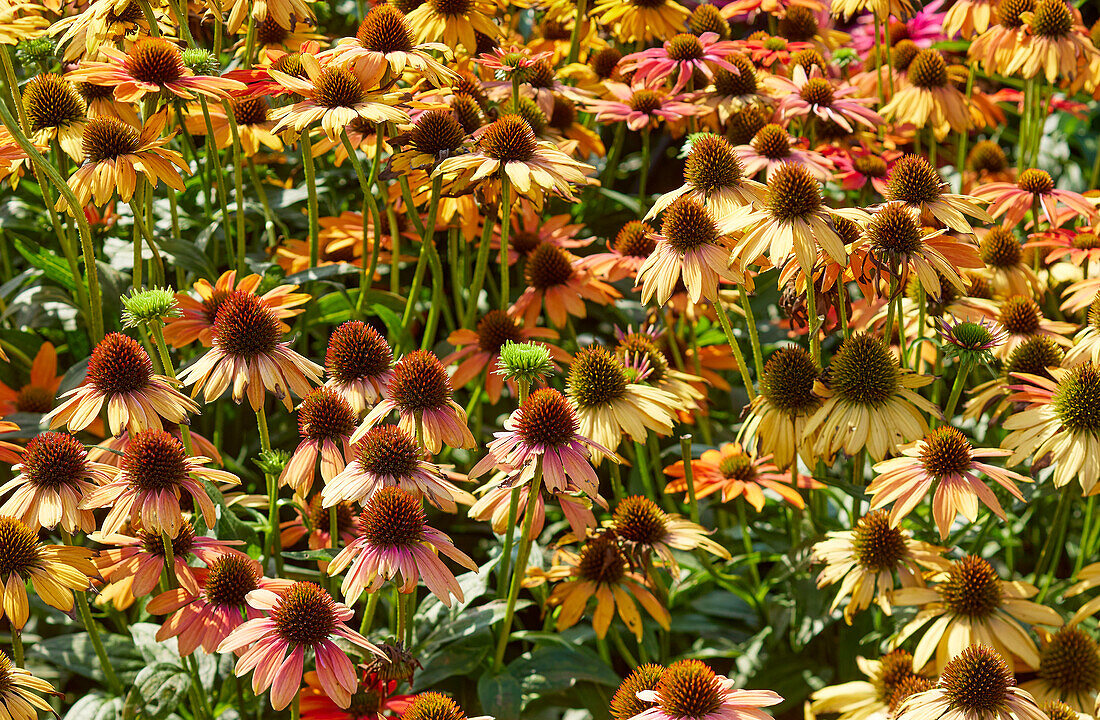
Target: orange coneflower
x,y
479,350
383,45
301,617
205,615
156,471
54,571
970,604
325,424
120,375
530,228
115,154
864,561
626,253
976,683
735,473
334,96
558,283
38,394
395,542
420,391
252,117
359,364
53,477
601,570
247,353
388,456
196,318
153,66
946,459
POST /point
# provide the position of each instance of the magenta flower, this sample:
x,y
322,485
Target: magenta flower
x,y
545,426
684,54
643,106
395,542
301,617
815,95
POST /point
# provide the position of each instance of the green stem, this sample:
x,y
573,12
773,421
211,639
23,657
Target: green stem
x,y
505,227
17,646
311,200
1052,548
754,337
269,217
724,319
608,179
509,540
427,248
812,326
746,540
169,370
274,542
368,613
169,560
956,392
689,477
964,135
480,268
93,631
857,481
643,174
238,183
520,568
575,36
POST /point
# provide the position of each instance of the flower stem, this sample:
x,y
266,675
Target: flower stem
x,y
643,174
269,217
212,155
724,319
956,391
274,541
169,369
480,268
520,569
1052,548
689,477
575,36
93,631
746,539
169,560
311,189
368,614
509,540
427,248
754,337
964,135
17,646
505,228
238,183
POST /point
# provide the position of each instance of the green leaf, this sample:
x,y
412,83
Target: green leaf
x,y
188,256
95,706
456,659
626,201
75,653
470,622
160,688
500,695
47,261
553,668
322,272
325,554
230,527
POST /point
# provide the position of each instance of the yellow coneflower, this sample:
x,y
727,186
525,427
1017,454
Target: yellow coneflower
x,y
282,12
120,375
915,182
54,571
625,703
998,45
1034,356
55,111
1069,669
608,404
115,154
1055,44
1022,318
640,349
21,693
644,527
434,136
633,20
795,220
890,679
929,98
869,402
777,417
713,176
455,22
864,561
970,604
247,353
1005,268
359,364
845,9
600,569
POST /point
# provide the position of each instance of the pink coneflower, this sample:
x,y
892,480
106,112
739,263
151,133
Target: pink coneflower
x,y
860,165
1078,246
946,459
495,506
814,95
135,564
643,106
420,392
359,363
479,349
302,617
685,54
925,28
773,147
1033,186
530,228
689,690
544,428
52,477
374,700
325,424
394,542
558,283
389,456
626,253
205,617
155,472
120,374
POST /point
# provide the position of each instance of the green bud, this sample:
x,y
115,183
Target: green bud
x,y
525,361
144,306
